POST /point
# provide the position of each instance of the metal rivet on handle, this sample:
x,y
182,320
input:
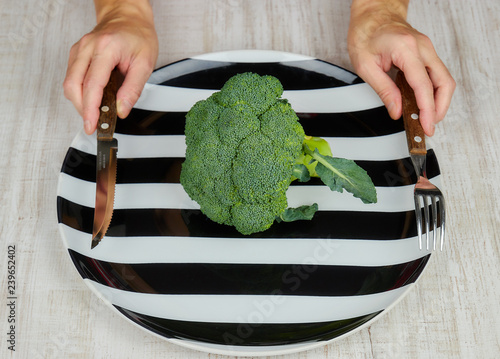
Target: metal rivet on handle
x,y
104,108
417,139
105,126
414,116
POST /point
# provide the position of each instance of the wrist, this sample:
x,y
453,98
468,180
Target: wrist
x,y
369,17
392,8
114,8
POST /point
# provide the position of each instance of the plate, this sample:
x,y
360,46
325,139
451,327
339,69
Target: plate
x,y
168,269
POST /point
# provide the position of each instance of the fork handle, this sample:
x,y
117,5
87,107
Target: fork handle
x,y
415,135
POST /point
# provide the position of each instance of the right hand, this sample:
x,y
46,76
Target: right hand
x,y
380,37
124,37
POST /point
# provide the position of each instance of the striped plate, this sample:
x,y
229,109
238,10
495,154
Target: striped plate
x,y
167,268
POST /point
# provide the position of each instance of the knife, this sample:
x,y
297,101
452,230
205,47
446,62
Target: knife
x,y
107,148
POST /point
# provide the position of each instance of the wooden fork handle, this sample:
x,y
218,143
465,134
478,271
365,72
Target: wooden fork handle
x,y
415,135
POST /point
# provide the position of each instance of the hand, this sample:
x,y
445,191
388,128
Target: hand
x,y
125,37
379,37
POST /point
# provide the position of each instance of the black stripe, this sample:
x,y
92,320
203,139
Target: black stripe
x,y
186,222
81,165
366,123
249,279
232,334
294,75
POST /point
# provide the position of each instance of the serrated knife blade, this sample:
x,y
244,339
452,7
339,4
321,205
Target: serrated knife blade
x,y
106,160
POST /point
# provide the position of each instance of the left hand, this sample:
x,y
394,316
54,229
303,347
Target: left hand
x,y
380,38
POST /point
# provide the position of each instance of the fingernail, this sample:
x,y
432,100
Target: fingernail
x,y
390,109
88,126
123,107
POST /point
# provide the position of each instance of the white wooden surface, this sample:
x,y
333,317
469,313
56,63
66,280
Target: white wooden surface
x,y
454,311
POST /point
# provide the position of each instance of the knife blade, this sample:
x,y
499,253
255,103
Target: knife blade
x,y
106,160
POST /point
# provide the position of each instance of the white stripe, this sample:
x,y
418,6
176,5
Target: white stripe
x,y
127,196
168,98
252,56
253,309
130,146
350,98
172,195
134,250
389,199
379,148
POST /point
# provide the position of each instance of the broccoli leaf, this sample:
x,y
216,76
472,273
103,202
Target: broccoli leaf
x,y
297,214
301,173
341,173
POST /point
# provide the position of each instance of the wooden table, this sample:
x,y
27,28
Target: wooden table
x,y
454,310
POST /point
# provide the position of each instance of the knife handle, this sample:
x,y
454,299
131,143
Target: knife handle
x,y
107,111
415,135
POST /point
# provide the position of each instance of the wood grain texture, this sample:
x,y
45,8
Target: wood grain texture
x,y
106,123
415,135
453,312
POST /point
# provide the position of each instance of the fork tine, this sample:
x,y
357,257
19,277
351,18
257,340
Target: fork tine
x,y
434,221
426,218
418,215
442,217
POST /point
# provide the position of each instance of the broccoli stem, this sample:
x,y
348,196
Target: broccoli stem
x,y
340,173
317,156
307,160
321,144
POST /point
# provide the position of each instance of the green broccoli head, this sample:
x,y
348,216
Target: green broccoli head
x,y
242,144
245,145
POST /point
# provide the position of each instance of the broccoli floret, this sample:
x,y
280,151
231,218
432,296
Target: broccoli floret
x,y
258,92
244,144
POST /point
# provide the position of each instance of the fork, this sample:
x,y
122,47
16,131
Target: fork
x,y
424,191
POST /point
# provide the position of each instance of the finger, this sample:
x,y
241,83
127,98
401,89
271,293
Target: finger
x,y
383,85
131,89
444,86
95,80
78,64
442,81
416,74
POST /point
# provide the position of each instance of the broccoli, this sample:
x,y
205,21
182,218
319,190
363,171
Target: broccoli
x,y
244,147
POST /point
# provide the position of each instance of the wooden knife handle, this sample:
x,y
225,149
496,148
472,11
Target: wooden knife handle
x,y
415,135
107,117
